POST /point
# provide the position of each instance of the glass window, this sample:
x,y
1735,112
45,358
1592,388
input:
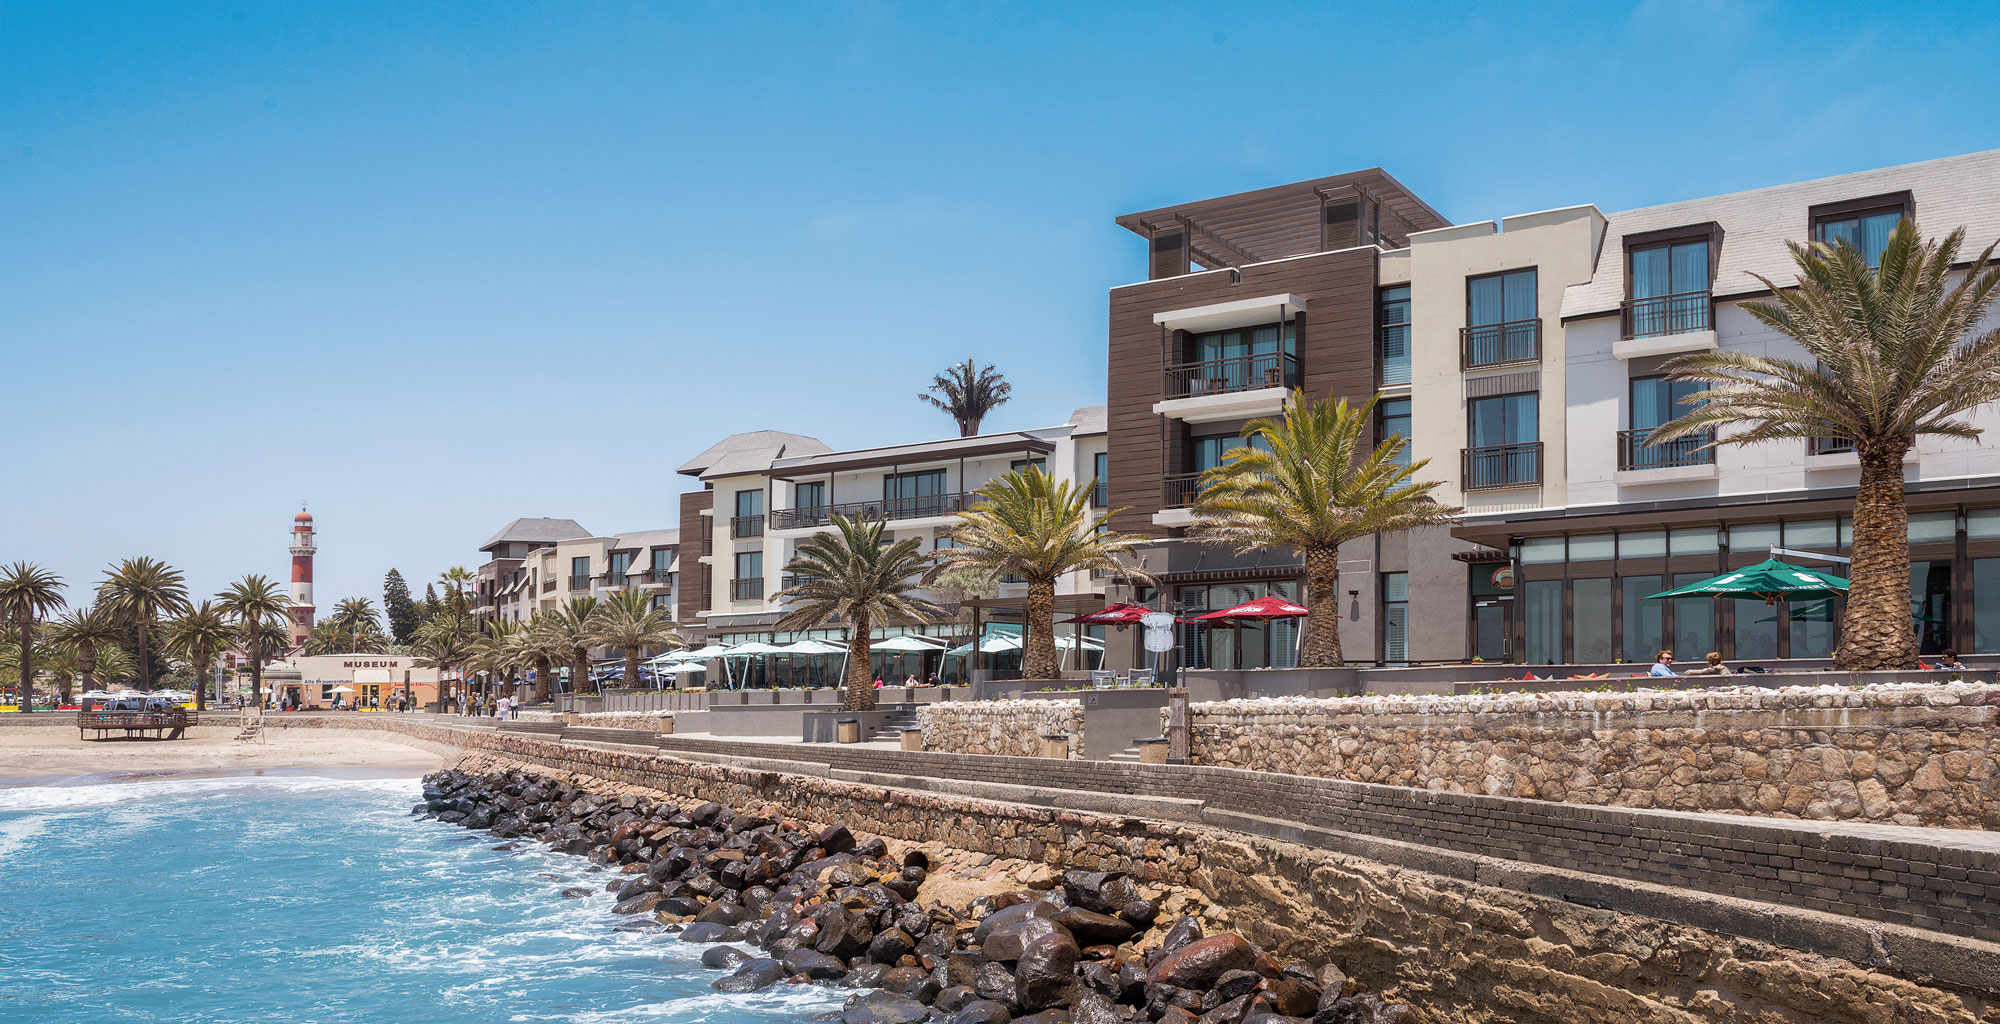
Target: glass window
x,y
1100,469
1393,334
1694,621
1208,451
914,494
1753,538
1812,626
809,495
1933,527
1542,603
1655,400
1986,605
1591,620
663,563
1245,357
1867,231
1395,617
1692,540
1644,544
1930,605
750,503
1542,550
1395,422
1593,547
579,567
1982,523
1501,319
621,563
1020,464
1669,289
1812,533
1641,618
749,565
1756,631
1503,430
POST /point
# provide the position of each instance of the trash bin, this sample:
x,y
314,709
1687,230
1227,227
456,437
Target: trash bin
x,y
1153,751
1056,745
850,730
913,739
571,718
666,724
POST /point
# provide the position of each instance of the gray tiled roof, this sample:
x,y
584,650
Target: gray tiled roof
x,y
1088,420
646,539
749,452
1950,193
537,529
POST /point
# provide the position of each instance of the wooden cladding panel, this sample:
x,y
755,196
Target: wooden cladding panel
x,y
694,537
1336,343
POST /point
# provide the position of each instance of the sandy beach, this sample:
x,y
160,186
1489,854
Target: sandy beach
x,y
44,755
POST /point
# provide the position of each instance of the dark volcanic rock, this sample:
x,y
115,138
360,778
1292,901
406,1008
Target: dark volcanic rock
x,y
724,957
995,982
1055,1016
889,946
882,1007
1364,1009
1009,916
953,999
575,893
982,1011
1045,977
865,976
1291,997
754,976
814,964
1091,928
1198,964
1184,931
708,932
1092,1008
1008,942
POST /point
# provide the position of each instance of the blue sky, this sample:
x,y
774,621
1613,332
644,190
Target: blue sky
x,y
432,266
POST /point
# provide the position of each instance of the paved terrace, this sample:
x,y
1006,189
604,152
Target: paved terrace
x,y
1926,901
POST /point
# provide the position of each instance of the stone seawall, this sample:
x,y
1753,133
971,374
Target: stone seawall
x,y
1906,755
1459,950
1007,727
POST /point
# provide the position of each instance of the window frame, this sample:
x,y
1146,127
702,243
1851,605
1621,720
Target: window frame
x,y
1901,202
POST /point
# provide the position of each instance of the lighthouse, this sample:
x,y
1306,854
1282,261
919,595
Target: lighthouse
x,y
302,576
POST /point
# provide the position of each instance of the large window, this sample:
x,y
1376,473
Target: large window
x,y
1395,617
1866,229
579,573
1100,469
749,518
1208,451
1237,360
1656,400
1930,605
1394,418
809,496
1986,605
1392,334
1591,623
1542,606
1505,434
621,564
1641,618
749,582
1502,325
1269,643
915,494
1669,289
1694,621
663,563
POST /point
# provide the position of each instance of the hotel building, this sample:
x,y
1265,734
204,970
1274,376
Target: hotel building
x,y
535,565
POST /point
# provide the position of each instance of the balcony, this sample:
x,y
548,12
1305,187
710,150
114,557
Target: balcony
x,y
751,589
1178,490
1683,458
1829,445
1508,344
578,583
746,526
548,585
920,507
1666,324
1237,387
1502,465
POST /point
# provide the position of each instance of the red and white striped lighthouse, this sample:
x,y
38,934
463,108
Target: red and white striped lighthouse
x,y
302,576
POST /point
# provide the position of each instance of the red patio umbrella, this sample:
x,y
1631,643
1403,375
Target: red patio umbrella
x,y
1270,606
1115,615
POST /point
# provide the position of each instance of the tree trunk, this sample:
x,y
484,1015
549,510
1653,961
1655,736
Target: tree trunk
x,y
145,663
858,686
256,670
1322,628
24,698
86,665
579,670
631,666
1877,630
201,676
545,672
1038,657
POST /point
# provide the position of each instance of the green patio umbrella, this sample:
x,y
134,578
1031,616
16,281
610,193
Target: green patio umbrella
x,y
1770,580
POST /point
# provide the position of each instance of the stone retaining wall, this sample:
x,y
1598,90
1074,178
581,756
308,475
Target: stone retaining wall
x,y
1008,727
1907,755
1524,951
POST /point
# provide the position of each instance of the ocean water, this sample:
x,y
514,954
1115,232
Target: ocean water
x,y
319,901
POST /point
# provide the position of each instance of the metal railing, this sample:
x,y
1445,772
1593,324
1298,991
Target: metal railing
x,y
1656,315
1178,490
1235,373
1502,465
1831,444
746,526
888,508
579,583
746,589
1635,453
548,584
1517,341
790,580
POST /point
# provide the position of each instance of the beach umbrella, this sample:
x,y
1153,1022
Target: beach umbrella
x,y
1263,609
991,643
684,668
1113,615
1768,581
345,689
711,651
814,647
907,642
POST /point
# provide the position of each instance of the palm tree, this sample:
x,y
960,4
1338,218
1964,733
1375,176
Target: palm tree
x,y
573,626
255,603
199,636
457,582
355,616
445,641
850,577
1310,485
537,645
496,652
140,590
628,621
28,593
1896,353
87,631
1033,527
968,394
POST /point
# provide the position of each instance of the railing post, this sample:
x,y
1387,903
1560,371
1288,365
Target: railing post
x,y
1177,725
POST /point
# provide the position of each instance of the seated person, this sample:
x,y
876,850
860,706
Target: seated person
x,y
1949,660
1715,667
1663,665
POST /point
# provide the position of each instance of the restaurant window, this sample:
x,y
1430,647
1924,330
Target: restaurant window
x,y
1812,627
1982,524
1811,534
1864,224
1593,547
1393,420
1395,617
1641,618
1100,470
1694,621
1933,527
1266,643
1591,622
1502,324
1542,551
1753,539
1392,334
1930,605
1692,540
1642,544
1504,431
1986,605
1669,289
1542,605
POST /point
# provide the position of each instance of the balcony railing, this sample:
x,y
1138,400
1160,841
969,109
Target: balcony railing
x,y
579,583
747,589
1829,445
1634,453
1517,341
888,508
746,526
1177,490
548,585
788,581
1502,465
1235,373
1681,313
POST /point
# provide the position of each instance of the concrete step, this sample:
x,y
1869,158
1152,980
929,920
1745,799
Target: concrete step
x,y
1128,754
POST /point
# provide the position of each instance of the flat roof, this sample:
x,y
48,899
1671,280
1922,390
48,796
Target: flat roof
x,y
1282,220
928,451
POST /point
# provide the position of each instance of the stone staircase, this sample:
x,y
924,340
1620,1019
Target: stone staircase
x,y
891,729
1128,754
252,729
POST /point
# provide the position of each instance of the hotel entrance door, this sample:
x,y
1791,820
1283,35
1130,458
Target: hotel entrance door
x,y
1493,628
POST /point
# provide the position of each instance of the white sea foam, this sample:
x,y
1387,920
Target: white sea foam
x,y
91,795
15,834
794,999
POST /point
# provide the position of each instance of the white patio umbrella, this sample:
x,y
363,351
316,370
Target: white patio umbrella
x,y
908,642
683,669
991,643
814,647
711,651
345,689
748,647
